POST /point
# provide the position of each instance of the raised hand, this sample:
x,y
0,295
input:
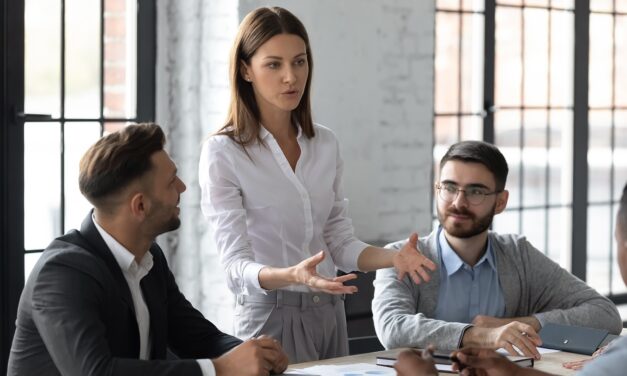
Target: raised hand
x,y
409,260
306,274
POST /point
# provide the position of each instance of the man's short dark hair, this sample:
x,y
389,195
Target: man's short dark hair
x,y
622,213
117,159
480,152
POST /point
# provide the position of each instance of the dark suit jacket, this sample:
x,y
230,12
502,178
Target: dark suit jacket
x,y
76,316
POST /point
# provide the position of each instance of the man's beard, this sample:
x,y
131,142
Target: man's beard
x,y
479,225
160,225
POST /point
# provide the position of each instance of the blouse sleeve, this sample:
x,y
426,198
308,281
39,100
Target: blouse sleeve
x,y
344,247
221,204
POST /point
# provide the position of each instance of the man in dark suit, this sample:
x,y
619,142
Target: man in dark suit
x,y
102,300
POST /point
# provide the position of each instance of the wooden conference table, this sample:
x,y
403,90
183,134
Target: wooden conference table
x,y
551,362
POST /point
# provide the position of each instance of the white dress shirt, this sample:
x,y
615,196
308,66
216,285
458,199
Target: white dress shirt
x,y
133,273
263,213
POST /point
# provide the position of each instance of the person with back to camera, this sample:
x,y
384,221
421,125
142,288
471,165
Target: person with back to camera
x,y
271,183
102,300
487,362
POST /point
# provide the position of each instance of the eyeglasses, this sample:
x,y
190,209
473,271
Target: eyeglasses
x,y
474,195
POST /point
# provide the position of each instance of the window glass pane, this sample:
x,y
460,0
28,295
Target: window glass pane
x,y
448,4
507,128
560,157
82,54
473,5
42,167
563,4
507,138
599,154
447,63
78,138
535,158
600,80
540,3
621,6
509,2
446,130
508,66
472,128
445,135
507,222
42,58
598,266
536,56
114,126
472,63
620,153
534,228
559,229
562,63
620,64
30,259
601,5
120,60
513,158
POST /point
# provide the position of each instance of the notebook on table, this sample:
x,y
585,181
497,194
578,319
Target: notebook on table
x,y
576,339
443,362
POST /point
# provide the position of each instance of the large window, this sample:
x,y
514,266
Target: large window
x,y
505,73
72,71
81,78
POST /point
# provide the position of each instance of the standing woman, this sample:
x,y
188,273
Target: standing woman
x,y
271,185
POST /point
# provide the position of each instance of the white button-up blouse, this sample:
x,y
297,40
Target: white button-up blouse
x,y
262,213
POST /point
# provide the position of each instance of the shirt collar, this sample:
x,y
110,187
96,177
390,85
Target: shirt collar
x,y
124,257
263,132
451,260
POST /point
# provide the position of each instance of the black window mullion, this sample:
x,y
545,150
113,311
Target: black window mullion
x,y
146,59
62,122
580,140
460,44
488,70
101,73
521,180
12,165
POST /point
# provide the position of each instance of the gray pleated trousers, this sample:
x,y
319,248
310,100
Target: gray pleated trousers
x,y
310,326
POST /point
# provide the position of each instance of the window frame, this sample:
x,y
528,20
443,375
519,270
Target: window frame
x,y
12,251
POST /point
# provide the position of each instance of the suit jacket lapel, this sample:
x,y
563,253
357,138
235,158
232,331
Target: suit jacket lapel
x,y
152,287
100,249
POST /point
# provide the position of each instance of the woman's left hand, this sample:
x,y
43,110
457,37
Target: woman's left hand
x,y
409,260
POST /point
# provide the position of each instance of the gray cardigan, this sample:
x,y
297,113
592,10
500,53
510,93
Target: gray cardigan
x,y
532,284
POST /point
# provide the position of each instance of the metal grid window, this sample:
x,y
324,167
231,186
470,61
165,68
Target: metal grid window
x,y
81,81
505,73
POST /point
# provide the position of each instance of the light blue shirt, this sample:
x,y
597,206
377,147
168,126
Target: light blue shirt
x,y
466,291
611,363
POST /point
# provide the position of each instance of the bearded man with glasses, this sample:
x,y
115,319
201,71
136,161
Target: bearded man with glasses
x,y
489,290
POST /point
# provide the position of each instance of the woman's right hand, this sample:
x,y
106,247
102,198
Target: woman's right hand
x,y
305,273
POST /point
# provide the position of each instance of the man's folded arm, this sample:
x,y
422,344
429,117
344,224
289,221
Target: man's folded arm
x,y
397,322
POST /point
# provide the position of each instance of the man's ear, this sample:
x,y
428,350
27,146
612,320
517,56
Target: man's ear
x,y
501,201
139,205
